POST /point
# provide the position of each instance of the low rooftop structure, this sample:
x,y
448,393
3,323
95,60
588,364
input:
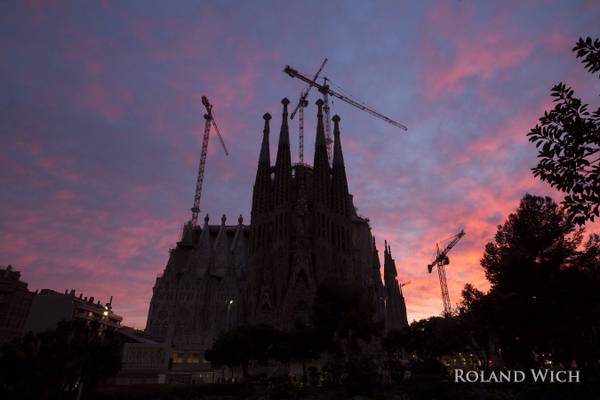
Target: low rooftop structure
x,y
50,307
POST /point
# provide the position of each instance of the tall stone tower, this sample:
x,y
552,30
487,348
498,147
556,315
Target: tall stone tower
x,y
394,300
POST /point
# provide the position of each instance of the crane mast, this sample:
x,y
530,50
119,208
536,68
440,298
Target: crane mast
x,y
441,260
326,90
326,111
209,121
301,131
302,103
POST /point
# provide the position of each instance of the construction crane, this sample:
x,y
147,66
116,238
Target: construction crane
x,y
326,91
209,121
302,103
441,260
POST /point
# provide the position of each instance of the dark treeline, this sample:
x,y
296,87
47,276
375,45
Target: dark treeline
x,y
65,363
542,310
342,324
543,307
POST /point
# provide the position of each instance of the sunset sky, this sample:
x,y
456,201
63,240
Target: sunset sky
x,y
101,124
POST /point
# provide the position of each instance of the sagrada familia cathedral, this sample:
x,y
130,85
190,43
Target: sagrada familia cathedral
x,y
304,231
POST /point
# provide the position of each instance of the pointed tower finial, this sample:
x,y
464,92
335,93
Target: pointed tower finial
x,y
321,169
339,181
284,132
265,142
261,193
267,118
320,140
264,149
282,183
319,104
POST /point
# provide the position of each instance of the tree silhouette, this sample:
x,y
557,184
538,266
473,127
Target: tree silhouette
x,y
533,244
57,364
241,345
545,294
543,304
568,139
304,344
342,311
344,317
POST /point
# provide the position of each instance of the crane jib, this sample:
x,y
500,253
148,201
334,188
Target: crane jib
x,y
325,89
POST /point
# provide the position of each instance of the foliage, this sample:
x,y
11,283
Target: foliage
x,y
543,304
240,345
362,374
342,317
545,294
590,52
345,321
568,139
430,338
54,364
471,296
343,312
533,244
304,344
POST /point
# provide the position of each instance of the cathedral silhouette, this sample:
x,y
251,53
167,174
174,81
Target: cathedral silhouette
x,y
304,231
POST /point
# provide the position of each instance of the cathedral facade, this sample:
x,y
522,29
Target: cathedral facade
x,y
304,231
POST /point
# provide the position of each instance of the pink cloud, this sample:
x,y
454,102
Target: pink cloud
x,y
111,104
64,195
453,56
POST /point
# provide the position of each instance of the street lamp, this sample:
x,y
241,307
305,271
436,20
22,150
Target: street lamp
x,y
229,304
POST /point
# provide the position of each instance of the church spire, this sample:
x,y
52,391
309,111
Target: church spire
x,y
395,306
389,267
283,164
339,180
265,158
321,163
262,185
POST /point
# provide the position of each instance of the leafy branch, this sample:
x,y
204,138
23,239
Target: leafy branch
x,y
567,139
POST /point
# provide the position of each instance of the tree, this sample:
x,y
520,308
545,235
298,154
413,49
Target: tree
x,y
343,317
57,364
545,294
304,345
533,244
471,296
342,311
240,345
568,139
543,304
